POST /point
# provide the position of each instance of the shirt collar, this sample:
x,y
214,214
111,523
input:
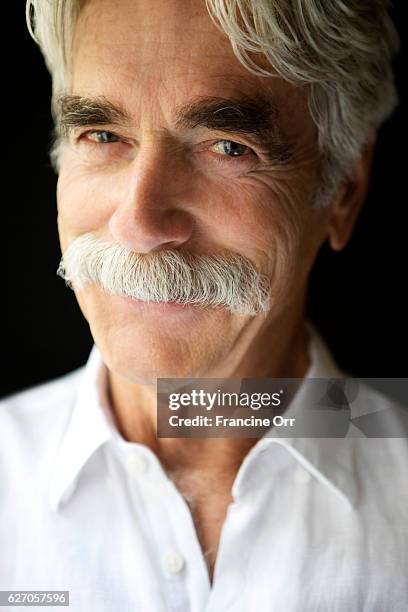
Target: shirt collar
x,y
329,460
91,425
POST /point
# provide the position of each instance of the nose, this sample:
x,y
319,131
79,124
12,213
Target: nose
x,y
151,213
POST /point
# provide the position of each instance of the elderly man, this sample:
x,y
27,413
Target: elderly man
x,y
205,151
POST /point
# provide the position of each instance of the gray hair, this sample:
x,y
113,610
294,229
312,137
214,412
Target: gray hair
x,y
341,51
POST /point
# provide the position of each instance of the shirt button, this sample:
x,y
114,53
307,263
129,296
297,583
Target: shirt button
x,y
173,563
302,476
136,464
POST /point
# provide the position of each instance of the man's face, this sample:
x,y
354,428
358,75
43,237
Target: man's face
x,y
149,182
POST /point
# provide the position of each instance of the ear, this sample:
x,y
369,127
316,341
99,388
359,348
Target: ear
x,y
350,198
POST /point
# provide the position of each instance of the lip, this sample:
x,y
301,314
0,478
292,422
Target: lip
x,y
158,307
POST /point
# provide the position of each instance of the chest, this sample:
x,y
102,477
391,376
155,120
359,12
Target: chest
x,y
109,551
208,503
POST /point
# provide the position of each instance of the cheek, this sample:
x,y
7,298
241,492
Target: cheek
x,y
81,297
261,219
81,201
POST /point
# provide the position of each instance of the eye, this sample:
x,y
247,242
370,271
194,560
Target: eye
x,y
101,136
229,148
102,146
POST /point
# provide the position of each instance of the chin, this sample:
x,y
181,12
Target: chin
x,y
142,358
143,347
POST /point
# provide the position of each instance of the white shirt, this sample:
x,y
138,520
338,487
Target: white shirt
x,y
316,524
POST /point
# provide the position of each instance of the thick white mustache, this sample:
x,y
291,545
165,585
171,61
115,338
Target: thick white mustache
x,y
227,280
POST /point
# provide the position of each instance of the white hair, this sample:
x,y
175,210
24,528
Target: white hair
x,y
341,51
226,280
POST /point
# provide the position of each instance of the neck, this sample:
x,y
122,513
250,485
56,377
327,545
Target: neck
x,y
135,407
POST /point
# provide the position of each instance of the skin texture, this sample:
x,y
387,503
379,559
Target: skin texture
x,y
160,187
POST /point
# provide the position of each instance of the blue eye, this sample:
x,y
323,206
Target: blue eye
x,y
231,148
102,136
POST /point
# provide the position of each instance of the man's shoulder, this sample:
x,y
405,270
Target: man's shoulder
x,y
33,423
375,411
38,409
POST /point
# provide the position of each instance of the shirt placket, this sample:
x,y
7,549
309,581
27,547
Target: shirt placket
x,y
184,575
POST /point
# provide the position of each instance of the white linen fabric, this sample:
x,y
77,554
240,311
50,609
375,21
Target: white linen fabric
x,y
316,524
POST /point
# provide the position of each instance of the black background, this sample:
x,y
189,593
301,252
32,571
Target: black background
x,y
357,297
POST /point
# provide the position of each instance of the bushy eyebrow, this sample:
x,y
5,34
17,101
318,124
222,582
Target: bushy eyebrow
x,y
79,111
253,117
